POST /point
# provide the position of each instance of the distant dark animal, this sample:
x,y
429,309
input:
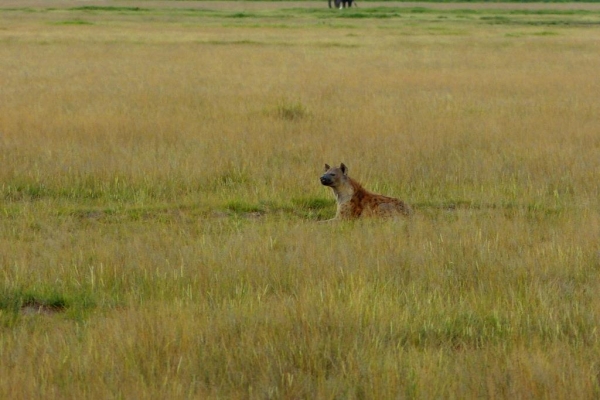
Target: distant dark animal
x,y
341,3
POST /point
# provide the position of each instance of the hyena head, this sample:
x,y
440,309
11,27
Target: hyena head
x,y
335,177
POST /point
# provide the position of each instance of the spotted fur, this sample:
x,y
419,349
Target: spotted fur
x,y
354,201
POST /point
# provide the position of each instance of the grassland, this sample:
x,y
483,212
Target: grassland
x,y
159,202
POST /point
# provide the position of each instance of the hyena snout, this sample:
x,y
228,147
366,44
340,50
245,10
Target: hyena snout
x,y
326,180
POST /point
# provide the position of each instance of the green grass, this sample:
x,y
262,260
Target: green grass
x,y
162,227
109,9
74,22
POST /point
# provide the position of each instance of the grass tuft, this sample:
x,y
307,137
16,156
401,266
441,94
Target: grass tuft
x,y
291,110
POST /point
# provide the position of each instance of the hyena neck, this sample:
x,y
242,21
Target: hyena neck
x,y
345,192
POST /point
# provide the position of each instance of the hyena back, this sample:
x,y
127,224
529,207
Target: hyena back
x,y
354,201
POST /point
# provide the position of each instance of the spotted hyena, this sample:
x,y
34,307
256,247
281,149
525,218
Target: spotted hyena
x,y
354,201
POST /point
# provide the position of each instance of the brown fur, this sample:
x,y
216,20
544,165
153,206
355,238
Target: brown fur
x,y
354,201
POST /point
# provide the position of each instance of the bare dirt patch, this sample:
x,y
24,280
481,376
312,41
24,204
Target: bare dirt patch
x,y
35,307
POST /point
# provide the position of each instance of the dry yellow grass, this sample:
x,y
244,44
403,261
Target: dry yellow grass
x,y
159,197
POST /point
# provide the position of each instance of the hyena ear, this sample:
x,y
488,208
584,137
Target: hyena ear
x,y
327,167
344,169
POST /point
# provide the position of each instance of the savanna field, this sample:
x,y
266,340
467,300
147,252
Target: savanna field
x,y
160,208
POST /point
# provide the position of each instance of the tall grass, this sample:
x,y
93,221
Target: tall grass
x,y
159,208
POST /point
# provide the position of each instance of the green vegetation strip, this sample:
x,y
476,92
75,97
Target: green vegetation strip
x,y
320,12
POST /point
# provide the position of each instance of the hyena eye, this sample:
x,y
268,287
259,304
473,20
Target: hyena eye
x,y
332,174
